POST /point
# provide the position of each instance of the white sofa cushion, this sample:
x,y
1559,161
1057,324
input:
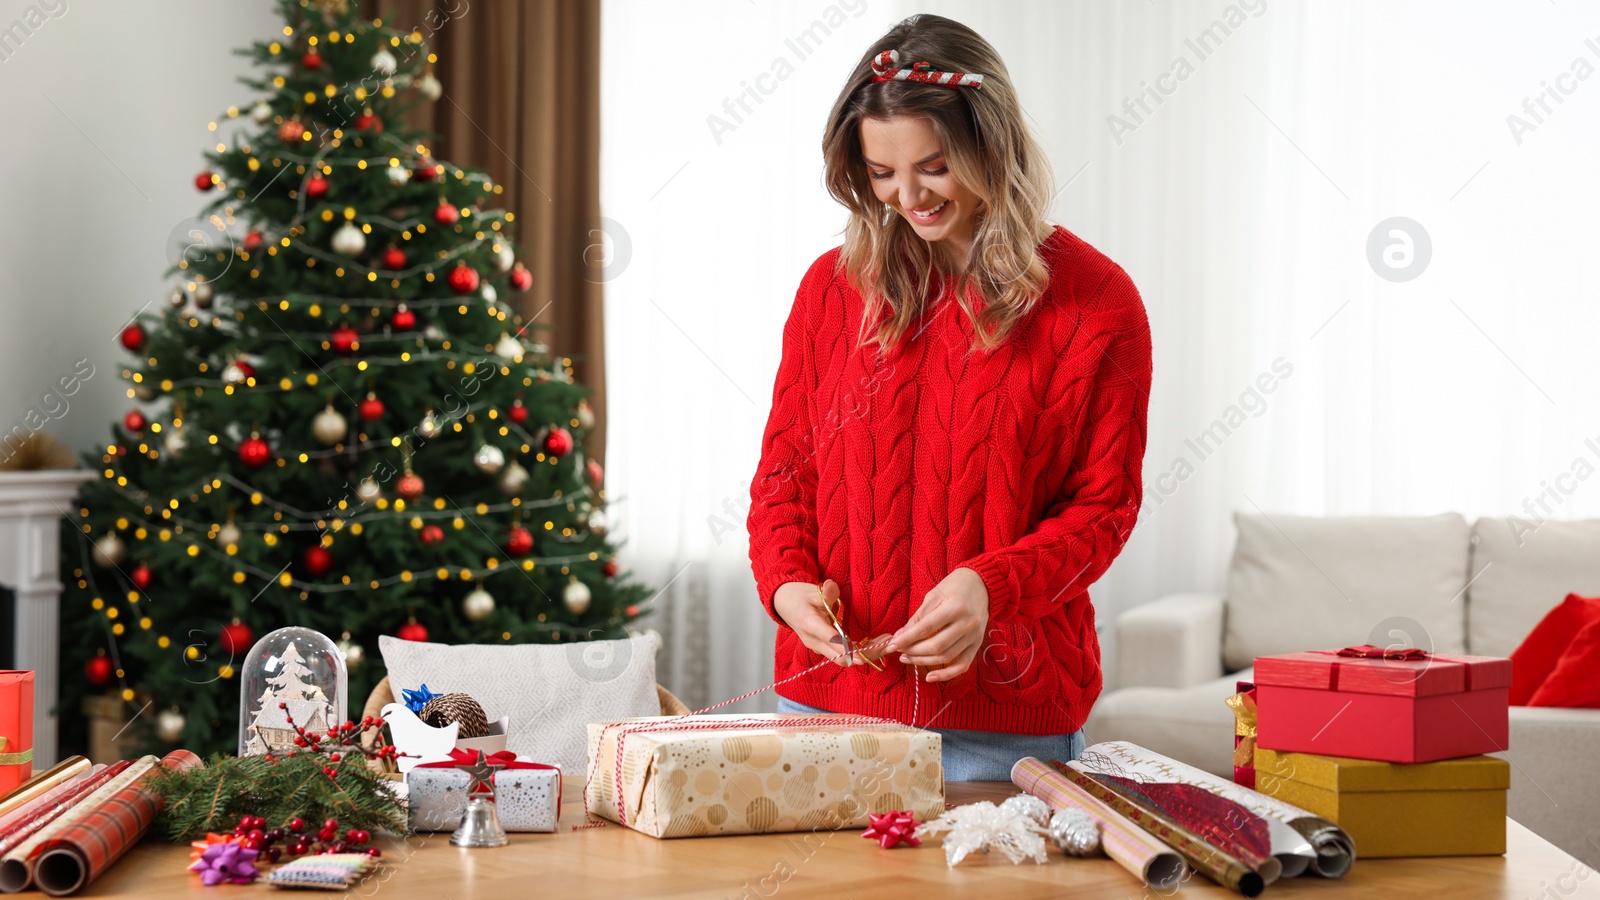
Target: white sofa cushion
x,y
1310,582
1523,569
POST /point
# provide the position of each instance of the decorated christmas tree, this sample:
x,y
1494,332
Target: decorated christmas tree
x,y
341,420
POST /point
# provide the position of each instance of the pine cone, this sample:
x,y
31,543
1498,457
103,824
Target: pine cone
x,y
442,710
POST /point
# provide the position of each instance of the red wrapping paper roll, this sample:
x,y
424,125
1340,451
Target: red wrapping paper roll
x,y
82,852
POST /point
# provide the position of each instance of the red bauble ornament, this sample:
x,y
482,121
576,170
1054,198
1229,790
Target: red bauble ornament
x,y
463,279
369,122
204,181
318,560
140,576
610,568
517,413
253,240
431,534
344,339
394,258
98,671
236,638
290,132
597,475
559,442
132,337
445,214
519,541
426,170
409,486
134,420
254,452
316,187
371,409
312,60
521,278
403,319
412,631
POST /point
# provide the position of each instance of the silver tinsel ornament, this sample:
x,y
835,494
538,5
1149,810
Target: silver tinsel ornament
x,y
489,459
1075,832
169,725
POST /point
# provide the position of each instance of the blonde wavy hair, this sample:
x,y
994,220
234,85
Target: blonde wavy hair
x,y
987,147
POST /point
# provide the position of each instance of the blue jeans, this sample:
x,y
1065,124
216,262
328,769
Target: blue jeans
x,y
984,755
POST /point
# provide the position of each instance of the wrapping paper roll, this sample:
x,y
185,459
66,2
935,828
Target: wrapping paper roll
x,y
41,784
72,794
31,809
1153,862
1302,841
17,866
81,852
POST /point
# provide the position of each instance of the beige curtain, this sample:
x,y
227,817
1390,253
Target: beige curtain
x,y
522,101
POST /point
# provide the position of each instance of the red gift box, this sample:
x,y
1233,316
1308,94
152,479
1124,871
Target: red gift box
x,y
1404,706
16,728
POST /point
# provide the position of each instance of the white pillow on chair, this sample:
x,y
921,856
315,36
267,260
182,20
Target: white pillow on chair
x,y
551,692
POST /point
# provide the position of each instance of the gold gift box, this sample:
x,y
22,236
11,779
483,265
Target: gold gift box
x,y
713,775
1454,807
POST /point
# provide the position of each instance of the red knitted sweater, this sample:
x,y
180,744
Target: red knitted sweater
x,y
886,473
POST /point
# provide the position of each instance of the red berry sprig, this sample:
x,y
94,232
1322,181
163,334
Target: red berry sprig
x,y
291,838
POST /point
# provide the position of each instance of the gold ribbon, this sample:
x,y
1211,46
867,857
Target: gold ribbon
x,y
1244,727
15,759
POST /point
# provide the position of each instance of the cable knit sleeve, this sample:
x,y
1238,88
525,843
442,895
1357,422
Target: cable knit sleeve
x,y
782,521
1089,521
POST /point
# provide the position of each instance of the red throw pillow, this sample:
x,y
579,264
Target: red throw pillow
x,y
1541,650
1576,679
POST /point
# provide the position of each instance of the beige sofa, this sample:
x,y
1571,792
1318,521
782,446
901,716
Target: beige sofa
x,y
1298,583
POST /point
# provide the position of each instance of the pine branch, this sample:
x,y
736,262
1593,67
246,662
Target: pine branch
x,y
277,790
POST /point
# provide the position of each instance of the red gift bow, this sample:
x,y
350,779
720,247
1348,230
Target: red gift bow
x,y
504,758
890,828
1368,651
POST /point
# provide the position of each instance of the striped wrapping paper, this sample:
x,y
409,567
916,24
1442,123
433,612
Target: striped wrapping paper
x,y
82,851
31,790
57,805
16,867
1129,845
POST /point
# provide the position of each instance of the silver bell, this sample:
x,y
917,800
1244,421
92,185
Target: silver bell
x,y
480,826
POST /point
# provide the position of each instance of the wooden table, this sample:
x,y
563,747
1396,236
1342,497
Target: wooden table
x,y
615,863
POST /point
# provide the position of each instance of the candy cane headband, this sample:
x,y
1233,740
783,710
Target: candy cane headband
x,y
886,67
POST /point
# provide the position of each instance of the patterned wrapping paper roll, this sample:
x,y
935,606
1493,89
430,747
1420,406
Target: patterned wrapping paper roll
x,y
1223,868
1125,842
71,795
16,868
46,799
81,852
41,784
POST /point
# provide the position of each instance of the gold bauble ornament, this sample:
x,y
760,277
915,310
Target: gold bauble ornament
x,y
576,597
109,550
478,605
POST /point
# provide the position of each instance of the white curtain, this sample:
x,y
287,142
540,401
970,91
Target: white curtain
x,y
1253,151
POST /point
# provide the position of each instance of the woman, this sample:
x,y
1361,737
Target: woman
x,y
953,454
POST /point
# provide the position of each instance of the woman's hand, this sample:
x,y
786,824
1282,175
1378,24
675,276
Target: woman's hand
x,y
800,606
947,630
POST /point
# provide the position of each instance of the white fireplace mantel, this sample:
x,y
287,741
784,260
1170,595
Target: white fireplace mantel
x,y
31,507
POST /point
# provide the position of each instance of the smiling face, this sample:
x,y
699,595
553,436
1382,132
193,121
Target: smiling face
x,y
910,174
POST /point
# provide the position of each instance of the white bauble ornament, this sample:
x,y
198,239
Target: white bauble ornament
x,y
490,295
399,175
229,533
232,374
109,550
598,523
262,112
489,459
144,392
477,605
430,426
177,298
204,293
383,63
349,240
509,348
351,651
513,479
368,490
329,426
506,258
430,87
585,415
576,597
175,442
169,725
432,333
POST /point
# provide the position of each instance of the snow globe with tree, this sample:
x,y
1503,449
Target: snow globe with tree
x,y
292,677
